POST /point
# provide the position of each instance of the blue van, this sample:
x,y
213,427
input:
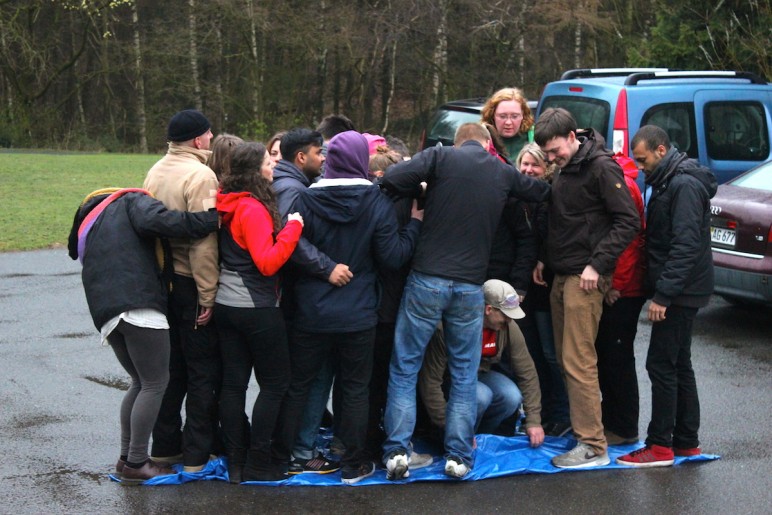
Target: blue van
x,y
721,118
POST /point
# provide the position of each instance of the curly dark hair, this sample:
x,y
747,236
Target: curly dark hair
x,y
244,175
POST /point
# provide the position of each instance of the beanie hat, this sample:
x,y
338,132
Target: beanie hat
x,y
373,141
347,157
503,296
186,125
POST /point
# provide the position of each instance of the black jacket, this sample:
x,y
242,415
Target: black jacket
x,y
354,224
680,261
592,217
120,267
514,250
466,191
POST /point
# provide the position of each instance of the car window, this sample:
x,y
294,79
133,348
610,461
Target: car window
x,y
588,112
677,119
736,131
445,123
760,178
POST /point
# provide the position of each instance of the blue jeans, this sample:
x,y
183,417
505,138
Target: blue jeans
x,y
498,397
318,395
426,301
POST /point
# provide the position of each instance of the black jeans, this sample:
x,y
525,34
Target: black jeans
x,y
675,405
615,345
353,355
251,338
194,370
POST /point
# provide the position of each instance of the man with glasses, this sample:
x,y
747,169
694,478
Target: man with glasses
x,y
592,219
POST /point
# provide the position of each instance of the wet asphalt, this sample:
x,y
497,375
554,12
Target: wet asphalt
x,y
60,392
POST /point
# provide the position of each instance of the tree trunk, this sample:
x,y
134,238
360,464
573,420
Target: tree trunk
x,y
194,55
255,64
578,40
392,84
441,55
218,89
141,114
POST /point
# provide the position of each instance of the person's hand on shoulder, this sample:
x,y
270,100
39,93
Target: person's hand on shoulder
x,y
295,216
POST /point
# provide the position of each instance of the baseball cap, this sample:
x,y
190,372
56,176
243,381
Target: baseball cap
x,y
503,296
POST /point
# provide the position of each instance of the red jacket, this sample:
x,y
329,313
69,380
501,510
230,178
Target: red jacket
x,y
631,266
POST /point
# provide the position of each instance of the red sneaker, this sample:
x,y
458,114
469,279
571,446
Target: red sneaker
x,y
694,451
649,456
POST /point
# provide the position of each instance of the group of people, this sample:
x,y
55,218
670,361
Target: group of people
x,y
441,294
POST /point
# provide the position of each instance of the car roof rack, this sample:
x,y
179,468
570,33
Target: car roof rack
x,y
606,72
633,79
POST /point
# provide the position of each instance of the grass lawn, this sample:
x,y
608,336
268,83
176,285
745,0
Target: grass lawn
x,y
41,191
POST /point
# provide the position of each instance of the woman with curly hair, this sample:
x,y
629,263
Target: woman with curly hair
x,y
250,326
222,148
507,110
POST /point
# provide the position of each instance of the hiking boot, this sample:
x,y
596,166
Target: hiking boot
x,y
317,465
266,473
419,461
148,470
692,451
614,439
397,466
455,467
351,475
235,473
649,456
581,456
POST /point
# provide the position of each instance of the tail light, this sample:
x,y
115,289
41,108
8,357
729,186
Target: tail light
x,y
621,133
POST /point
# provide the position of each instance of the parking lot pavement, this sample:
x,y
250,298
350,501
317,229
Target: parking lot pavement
x,y
60,392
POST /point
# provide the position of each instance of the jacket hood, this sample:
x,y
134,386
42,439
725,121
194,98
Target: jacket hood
x,y
592,146
340,200
348,156
227,202
286,169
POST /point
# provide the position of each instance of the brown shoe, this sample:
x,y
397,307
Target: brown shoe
x,y
614,439
119,467
147,471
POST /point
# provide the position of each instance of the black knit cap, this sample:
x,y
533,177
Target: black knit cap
x,y
186,125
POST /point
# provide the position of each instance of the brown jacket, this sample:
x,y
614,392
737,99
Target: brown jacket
x,y
520,362
182,181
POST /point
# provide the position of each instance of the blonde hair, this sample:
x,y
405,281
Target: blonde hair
x,y
536,151
504,94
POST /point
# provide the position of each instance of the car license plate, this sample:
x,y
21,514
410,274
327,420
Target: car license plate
x,y
722,236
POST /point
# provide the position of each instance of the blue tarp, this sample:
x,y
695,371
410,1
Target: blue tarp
x,y
496,456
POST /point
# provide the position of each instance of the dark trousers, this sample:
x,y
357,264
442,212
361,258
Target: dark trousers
x,y
353,355
379,382
251,338
194,370
615,345
675,406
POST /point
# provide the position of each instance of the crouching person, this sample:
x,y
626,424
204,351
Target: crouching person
x,y
498,396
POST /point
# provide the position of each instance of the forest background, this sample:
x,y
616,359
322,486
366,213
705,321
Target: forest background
x,y
106,75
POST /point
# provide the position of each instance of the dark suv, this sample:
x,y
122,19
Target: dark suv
x,y
721,118
443,124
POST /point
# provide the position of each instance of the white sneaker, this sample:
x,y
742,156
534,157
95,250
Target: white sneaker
x,y
418,460
455,467
397,467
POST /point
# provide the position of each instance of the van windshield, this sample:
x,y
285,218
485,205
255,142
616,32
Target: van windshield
x,y
588,112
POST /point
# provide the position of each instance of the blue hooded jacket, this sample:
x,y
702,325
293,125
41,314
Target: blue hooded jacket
x,y
349,219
